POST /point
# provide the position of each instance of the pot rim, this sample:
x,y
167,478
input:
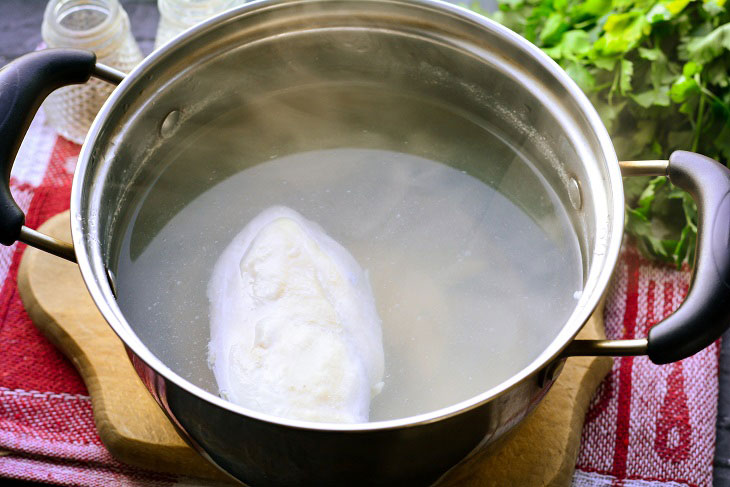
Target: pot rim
x,y
92,267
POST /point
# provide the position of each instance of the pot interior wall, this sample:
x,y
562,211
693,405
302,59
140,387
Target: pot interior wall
x,y
267,86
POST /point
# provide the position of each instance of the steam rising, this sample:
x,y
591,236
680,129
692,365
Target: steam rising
x,y
346,101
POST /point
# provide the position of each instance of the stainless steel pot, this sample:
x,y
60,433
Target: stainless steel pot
x,y
435,50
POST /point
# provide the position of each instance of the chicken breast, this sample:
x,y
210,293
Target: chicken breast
x,y
294,328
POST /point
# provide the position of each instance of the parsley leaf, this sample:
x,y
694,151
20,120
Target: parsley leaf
x,y
658,74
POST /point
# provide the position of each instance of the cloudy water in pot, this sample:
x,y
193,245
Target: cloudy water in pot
x,y
473,264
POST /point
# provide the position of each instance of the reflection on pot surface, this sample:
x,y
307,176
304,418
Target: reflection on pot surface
x,y
471,257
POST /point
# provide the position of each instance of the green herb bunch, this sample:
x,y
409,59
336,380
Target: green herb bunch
x,y
658,74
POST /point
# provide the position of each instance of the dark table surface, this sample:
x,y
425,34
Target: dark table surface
x,y
20,32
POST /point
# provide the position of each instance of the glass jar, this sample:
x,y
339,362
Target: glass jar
x,y
177,16
101,26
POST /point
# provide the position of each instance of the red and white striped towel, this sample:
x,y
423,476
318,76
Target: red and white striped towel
x,y
46,421
648,425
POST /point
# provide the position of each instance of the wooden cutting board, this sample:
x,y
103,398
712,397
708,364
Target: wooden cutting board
x,y
542,451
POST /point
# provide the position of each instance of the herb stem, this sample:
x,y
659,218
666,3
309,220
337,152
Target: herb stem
x,y
698,125
617,72
720,103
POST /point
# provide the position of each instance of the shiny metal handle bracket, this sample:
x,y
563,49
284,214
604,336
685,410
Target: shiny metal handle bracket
x,y
644,168
47,243
108,74
705,313
620,348
24,84
611,348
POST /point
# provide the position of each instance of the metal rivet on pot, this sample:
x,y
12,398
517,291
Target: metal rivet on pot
x,y
575,194
169,123
112,281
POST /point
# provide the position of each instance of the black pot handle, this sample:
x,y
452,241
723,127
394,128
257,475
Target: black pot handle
x,y
705,313
24,84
